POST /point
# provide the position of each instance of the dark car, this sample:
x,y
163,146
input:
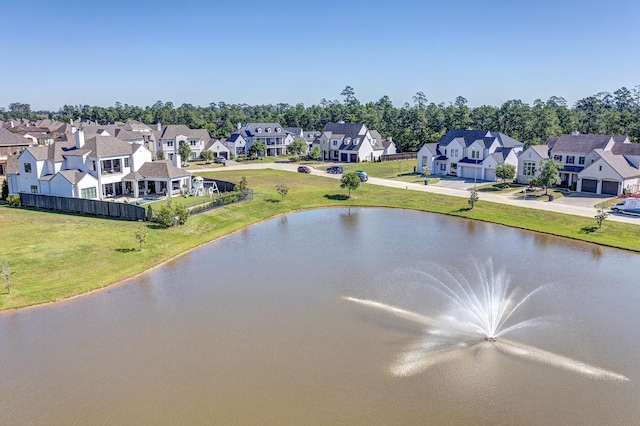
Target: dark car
x,y
334,169
362,175
304,169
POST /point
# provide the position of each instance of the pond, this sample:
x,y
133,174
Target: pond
x,y
341,316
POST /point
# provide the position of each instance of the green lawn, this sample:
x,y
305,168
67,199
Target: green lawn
x,y
56,256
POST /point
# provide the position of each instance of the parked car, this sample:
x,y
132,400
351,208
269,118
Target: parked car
x,y
220,160
362,175
304,169
335,169
628,205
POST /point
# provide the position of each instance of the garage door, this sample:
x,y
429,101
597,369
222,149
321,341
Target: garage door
x,y
490,175
343,157
609,188
467,172
589,185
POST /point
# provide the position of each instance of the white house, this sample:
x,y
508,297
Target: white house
x,y
610,174
219,148
351,143
170,137
469,153
95,169
572,151
274,137
427,156
529,162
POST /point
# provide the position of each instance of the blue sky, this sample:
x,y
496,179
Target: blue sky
x,y
283,51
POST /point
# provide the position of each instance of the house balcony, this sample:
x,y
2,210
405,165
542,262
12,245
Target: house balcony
x,y
111,171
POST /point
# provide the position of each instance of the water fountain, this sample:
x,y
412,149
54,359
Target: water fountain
x,y
482,311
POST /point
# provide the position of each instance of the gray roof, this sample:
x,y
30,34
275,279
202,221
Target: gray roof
x,y
378,142
470,136
171,131
133,125
260,129
73,176
432,147
619,164
541,150
578,144
129,135
9,138
348,130
162,169
103,146
626,149
39,152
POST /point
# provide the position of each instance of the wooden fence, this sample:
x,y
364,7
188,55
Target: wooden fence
x,y
84,206
400,156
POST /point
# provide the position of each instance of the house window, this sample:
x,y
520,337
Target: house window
x,y
356,141
529,168
600,168
580,160
258,130
425,162
571,159
334,142
278,129
27,167
193,143
475,154
443,167
126,162
34,189
170,144
268,129
558,158
454,152
89,192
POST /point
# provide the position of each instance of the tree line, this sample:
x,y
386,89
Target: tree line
x,y
410,125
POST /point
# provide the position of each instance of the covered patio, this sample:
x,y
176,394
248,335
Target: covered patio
x,y
158,179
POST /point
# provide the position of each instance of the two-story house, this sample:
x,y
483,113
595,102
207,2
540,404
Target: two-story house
x,y
350,143
597,164
170,137
473,154
100,167
274,137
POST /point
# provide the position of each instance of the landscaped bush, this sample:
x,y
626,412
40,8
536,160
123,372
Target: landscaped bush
x,y
13,200
224,199
168,213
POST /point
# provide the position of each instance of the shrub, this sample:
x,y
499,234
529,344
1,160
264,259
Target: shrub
x,y
13,200
5,190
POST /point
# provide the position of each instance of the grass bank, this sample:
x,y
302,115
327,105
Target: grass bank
x,y
55,256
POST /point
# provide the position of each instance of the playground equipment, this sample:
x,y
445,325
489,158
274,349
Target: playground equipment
x,y
212,188
201,187
197,189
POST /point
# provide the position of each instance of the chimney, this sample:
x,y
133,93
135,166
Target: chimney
x,y
575,132
79,139
158,127
177,161
238,126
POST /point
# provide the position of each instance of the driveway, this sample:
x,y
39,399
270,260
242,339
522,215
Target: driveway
x,y
583,200
458,183
457,187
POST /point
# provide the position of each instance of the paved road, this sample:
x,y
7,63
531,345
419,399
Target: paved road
x,y
502,198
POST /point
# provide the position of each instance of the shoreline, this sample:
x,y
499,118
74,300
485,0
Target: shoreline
x,y
176,256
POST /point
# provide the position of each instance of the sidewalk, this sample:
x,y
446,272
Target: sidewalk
x,y
503,198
